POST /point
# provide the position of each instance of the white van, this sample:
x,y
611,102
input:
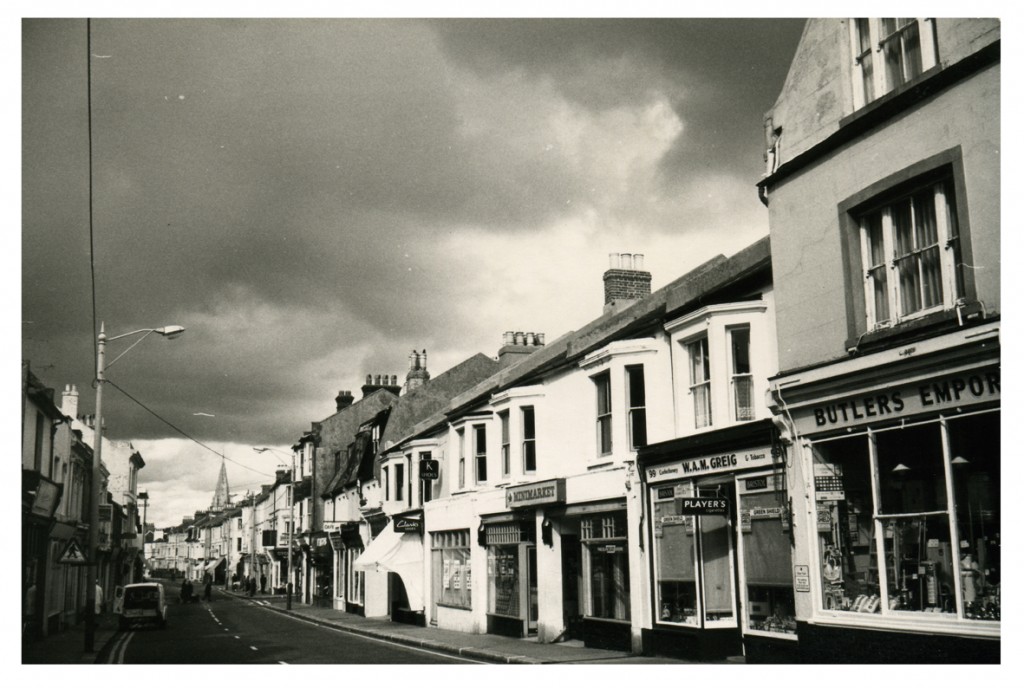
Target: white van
x,y
143,602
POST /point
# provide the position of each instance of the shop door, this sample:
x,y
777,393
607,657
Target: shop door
x,y
717,560
571,586
531,586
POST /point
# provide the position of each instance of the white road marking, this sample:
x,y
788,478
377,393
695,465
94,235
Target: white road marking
x,y
237,638
253,648
280,662
386,642
117,653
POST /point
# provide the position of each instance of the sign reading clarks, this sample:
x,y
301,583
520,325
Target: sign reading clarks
x,y
544,492
404,524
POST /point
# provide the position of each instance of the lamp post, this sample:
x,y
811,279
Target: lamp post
x,y
144,498
291,524
171,331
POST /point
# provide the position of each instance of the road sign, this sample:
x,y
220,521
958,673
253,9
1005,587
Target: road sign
x,y
73,554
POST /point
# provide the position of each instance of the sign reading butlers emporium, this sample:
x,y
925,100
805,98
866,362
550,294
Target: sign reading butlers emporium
x,y
706,465
534,494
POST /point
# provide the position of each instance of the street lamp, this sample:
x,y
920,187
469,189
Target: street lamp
x,y
144,498
170,331
291,522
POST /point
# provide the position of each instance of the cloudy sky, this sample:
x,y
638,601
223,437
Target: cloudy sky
x,y
313,199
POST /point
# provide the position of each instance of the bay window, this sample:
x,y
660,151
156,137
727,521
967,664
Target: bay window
x,y
603,386
480,452
529,440
742,380
700,382
637,404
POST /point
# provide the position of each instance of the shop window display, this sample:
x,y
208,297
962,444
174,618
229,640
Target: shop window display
x,y
911,552
767,559
452,573
503,580
675,556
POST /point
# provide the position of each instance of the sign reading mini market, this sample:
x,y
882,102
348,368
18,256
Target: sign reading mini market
x,y
545,492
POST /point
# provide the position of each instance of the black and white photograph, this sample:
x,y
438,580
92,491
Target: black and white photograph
x,y
512,336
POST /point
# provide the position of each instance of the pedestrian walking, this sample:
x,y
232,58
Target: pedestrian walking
x,y
207,586
263,583
99,598
252,587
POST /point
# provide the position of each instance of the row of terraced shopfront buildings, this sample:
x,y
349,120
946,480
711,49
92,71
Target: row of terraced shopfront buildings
x,y
791,453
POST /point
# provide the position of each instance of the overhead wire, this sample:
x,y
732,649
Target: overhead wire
x,y
180,431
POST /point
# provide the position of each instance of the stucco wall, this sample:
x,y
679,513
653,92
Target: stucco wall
x,y
818,90
806,239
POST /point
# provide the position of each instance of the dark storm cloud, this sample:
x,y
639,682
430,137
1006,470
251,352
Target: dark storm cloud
x,y
710,70
310,197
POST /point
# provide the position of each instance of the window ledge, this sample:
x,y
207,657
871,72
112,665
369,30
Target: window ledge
x,y
928,325
950,626
598,466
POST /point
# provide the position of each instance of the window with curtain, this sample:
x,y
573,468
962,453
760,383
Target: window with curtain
x,y
910,249
700,382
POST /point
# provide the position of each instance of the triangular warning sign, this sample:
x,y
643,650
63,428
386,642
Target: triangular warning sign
x,y
73,554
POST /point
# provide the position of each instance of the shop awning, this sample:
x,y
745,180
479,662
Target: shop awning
x,y
401,553
212,565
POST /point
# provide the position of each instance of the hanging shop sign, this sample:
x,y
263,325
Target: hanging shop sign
x,y
802,578
900,401
430,469
534,494
704,465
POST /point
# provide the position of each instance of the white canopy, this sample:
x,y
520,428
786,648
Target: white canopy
x,y
213,564
401,553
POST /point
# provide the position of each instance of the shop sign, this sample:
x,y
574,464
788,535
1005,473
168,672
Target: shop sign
x,y
545,492
760,457
937,394
430,469
611,549
404,524
802,578
703,506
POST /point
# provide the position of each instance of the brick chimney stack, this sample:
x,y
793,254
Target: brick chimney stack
x,y
517,345
418,374
625,281
344,399
375,382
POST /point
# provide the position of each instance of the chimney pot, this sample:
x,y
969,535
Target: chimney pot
x,y
540,339
638,261
613,261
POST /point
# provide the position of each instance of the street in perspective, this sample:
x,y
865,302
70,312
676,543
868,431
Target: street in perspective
x,y
575,342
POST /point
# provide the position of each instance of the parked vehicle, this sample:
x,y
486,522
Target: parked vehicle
x,y
143,602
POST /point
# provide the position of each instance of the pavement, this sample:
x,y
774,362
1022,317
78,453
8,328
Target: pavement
x,y
67,647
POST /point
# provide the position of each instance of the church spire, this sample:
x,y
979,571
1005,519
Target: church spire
x,y
221,498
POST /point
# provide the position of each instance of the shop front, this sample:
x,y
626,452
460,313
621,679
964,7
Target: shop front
x,y
511,544
559,570
349,580
398,551
902,557
721,542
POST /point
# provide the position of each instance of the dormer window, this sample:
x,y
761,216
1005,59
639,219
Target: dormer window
x,y
889,53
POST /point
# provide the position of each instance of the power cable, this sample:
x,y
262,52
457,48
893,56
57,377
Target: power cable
x,y
182,432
